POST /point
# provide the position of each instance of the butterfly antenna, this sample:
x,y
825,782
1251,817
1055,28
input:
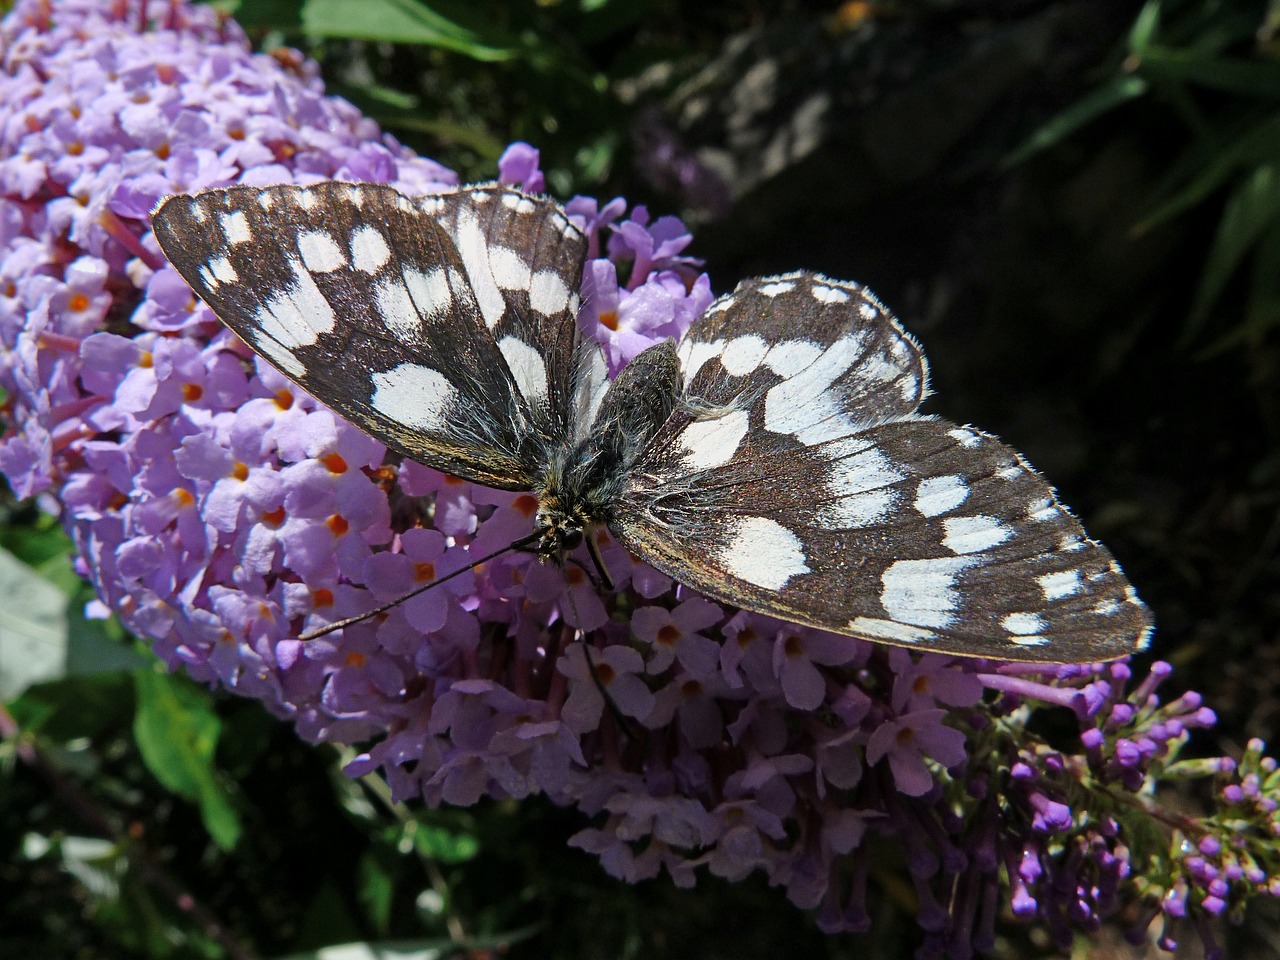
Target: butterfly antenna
x,y
580,636
368,614
622,721
593,549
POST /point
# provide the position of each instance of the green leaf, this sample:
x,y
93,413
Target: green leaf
x,y
438,842
1144,28
403,21
177,735
75,708
1212,165
376,886
33,628
1263,309
34,537
1242,77
260,16
483,143
1252,209
1116,91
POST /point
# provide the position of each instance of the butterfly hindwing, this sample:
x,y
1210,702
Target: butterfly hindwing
x,y
360,296
846,361
792,491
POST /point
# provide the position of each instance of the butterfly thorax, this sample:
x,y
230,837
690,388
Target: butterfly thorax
x,y
584,479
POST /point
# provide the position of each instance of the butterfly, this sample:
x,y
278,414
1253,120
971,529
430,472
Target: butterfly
x,y
774,458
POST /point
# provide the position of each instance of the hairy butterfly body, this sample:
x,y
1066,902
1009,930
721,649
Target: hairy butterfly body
x,y
773,459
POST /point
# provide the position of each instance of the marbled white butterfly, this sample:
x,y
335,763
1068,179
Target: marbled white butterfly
x,y
774,458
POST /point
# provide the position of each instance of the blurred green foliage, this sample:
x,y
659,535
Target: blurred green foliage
x,y
1215,66
460,80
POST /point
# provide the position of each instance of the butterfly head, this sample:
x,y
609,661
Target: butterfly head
x,y
562,531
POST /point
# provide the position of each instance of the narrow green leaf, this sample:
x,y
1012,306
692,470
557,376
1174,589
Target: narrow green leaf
x,y
402,21
487,146
1116,91
1242,77
1219,161
1252,209
1144,28
177,734
377,887
1263,310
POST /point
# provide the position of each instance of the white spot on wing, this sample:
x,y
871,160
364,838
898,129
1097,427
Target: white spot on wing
x,y
1023,624
922,592
518,203
764,552
548,294
857,510
856,492
805,405
974,534
1059,585
890,631
694,354
527,367
966,438
415,396
235,227
369,249
474,248
724,303
396,309
510,270
319,253
429,291
217,272
299,314
789,357
937,495
776,288
1042,510
742,355
279,355
1032,640
712,443
829,295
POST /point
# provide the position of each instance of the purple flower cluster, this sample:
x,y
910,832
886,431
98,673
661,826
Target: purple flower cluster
x,y
221,513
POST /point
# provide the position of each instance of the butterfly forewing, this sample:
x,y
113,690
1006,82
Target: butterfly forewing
x,y
791,491
524,259
360,296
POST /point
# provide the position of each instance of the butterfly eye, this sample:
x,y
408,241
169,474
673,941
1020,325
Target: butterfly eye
x,y
571,539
